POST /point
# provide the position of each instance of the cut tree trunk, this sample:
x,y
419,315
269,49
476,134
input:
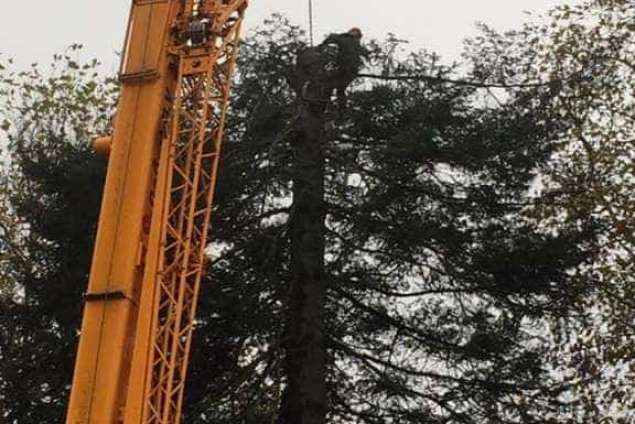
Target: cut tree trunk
x,y
304,400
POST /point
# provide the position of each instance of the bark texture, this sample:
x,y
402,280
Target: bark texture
x,y
304,399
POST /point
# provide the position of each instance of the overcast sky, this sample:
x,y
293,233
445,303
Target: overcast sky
x,y
31,31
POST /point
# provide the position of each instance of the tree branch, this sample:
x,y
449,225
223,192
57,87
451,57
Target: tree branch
x,y
441,80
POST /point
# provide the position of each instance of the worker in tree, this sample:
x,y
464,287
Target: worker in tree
x,y
346,55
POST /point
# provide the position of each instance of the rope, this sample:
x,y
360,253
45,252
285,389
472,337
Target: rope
x,y
433,79
311,21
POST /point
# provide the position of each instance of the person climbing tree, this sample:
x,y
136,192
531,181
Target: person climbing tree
x,y
345,60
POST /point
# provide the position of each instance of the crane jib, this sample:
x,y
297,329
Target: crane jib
x,y
176,72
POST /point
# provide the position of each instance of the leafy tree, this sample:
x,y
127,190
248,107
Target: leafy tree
x,y
586,52
53,184
594,42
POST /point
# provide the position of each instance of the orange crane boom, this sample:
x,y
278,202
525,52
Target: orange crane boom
x,y
150,248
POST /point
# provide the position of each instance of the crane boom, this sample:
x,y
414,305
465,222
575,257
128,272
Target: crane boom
x,y
151,241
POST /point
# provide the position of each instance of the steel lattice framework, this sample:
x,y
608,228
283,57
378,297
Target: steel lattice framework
x,y
151,245
196,134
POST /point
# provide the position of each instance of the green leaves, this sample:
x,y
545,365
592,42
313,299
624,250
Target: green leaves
x,y
587,49
51,189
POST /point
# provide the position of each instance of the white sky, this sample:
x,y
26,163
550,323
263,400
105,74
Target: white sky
x,y
33,30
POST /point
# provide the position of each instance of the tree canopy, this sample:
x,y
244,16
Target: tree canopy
x,y
586,54
51,198
439,278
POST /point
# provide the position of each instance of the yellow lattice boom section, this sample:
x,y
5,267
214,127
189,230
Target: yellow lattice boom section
x,y
150,248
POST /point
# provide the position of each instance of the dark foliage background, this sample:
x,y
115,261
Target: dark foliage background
x,y
51,192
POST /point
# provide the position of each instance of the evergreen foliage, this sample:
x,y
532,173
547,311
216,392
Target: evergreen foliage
x,y
437,281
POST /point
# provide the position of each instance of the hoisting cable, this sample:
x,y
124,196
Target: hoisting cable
x,y
311,22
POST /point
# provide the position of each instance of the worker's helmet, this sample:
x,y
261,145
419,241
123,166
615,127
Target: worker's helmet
x,y
355,32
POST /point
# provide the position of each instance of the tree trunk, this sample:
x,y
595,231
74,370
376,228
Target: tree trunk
x,y
304,398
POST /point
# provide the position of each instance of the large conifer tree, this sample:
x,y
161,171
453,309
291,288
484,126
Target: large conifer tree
x,y
436,280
